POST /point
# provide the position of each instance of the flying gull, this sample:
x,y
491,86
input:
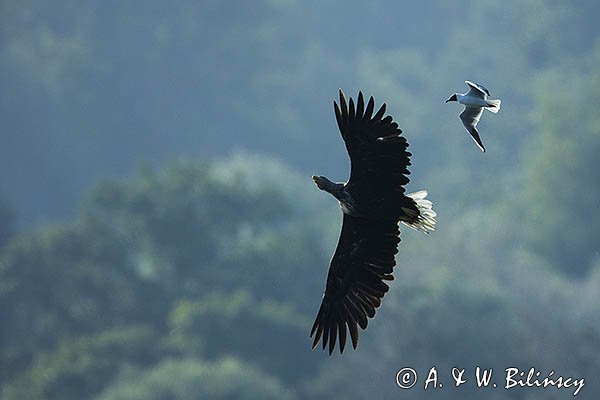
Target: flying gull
x,y
475,100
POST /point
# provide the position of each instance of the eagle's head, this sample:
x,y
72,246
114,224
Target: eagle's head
x,y
322,182
326,185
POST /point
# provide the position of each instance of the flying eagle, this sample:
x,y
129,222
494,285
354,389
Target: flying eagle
x,y
373,203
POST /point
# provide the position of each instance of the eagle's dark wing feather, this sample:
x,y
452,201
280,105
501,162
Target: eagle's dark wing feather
x,y
378,156
363,260
364,257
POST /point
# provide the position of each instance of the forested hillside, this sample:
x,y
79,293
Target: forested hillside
x,y
160,236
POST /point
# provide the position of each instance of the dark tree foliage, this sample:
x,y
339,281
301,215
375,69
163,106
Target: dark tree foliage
x,y
563,187
204,258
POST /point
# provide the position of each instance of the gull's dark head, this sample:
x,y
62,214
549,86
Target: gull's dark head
x,y
452,98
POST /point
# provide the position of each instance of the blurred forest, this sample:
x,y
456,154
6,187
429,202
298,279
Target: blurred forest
x,y
160,237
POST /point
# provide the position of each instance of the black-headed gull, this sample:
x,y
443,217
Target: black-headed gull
x,y
475,100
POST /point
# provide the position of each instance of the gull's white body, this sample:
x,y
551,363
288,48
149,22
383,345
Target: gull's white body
x,y
469,100
475,101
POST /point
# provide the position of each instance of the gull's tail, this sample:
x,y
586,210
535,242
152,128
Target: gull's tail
x,y
425,220
493,105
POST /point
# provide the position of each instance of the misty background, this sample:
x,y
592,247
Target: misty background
x,y
160,236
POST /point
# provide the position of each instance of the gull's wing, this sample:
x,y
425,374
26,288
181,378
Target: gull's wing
x,y
470,117
477,90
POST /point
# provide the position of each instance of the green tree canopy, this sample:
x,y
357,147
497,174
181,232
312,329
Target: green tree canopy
x,y
562,190
187,379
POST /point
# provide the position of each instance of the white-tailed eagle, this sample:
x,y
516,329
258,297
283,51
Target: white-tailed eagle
x,y
373,204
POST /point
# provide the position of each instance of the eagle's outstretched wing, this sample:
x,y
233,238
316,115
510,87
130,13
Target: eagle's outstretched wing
x,y
378,156
363,260
364,257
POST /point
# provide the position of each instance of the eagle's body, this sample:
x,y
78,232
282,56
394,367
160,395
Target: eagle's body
x,y
373,203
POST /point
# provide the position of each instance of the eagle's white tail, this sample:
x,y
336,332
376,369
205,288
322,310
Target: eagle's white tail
x,y
493,105
425,221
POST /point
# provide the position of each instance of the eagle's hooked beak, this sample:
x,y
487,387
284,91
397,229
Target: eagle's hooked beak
x,y
320,181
